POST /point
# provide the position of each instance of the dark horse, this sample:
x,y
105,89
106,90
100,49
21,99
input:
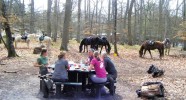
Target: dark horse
x,y
167,45
151,46
102,41
85,42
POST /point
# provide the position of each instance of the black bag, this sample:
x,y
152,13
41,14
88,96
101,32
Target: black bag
x,y
151,90
49,83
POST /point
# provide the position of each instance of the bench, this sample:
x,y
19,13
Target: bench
x,y
76,84
98,87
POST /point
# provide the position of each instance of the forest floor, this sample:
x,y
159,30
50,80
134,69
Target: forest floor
x,y
22,83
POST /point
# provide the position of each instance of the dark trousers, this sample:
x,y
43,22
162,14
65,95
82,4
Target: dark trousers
x,y
111,79
65,88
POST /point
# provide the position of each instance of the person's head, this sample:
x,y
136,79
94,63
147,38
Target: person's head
x,y
103,54
96,54
90,52
44,52
62,55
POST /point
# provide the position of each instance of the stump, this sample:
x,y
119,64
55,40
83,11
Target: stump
x,y
37,50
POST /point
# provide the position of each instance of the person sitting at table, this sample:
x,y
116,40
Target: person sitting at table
x,y
98,66
42,62
90,56
60,72
111,70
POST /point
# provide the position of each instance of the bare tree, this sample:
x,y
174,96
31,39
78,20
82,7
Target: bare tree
x,y
55,20
32,18
79,20
114,7
9,41
184,19
129,23
67,19
160,19
125,21
49,18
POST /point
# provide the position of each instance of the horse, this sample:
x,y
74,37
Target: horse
x,y
85,42
167,45
22,38
44,39
151,45
102,41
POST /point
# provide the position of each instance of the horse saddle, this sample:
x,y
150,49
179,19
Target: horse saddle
x,y
150,42
24,37
41,38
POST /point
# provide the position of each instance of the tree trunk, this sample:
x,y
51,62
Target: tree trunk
x,y
79,21
49,17
108,22
67,19
22,17
129,23
125,22
9,40
114,6
32,18
160,34
141,19
184,19
55,20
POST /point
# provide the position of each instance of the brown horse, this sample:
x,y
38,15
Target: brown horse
x,y
151,46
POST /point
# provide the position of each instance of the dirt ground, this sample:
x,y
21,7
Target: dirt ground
x,y
19,79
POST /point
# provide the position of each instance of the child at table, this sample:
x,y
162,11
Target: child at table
x,y
42,62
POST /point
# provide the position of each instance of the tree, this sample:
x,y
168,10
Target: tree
x,y
49,17
125,21
32,18
67,19
79,20
184,19
9,41
160,19
129,23
55,21
114,3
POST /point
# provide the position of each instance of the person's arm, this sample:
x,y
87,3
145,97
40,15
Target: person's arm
x,y
37,63
91,67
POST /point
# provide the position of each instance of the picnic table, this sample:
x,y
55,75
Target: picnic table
x,y
77,73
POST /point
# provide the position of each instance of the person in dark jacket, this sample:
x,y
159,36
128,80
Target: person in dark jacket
x,y
111,70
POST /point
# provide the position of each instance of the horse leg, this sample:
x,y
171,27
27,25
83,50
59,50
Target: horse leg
x,y
15,44
84,48
101,49
160,51
87,48
150,53
144,53
168,51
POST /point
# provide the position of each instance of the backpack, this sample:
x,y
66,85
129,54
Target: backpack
x,y
151,90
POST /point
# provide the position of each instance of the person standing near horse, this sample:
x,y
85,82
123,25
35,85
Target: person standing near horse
x,y
111,70
42,62
167,45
